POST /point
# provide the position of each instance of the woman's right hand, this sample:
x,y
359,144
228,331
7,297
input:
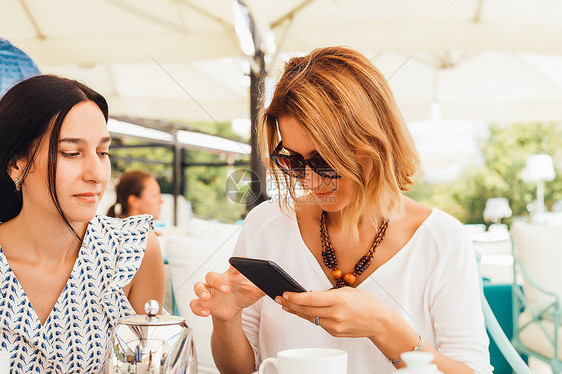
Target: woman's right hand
x,y
224,295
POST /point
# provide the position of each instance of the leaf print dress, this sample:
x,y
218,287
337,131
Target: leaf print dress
x,y
75,336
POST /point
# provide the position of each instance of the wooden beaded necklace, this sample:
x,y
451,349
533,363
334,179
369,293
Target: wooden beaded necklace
x,y
329,255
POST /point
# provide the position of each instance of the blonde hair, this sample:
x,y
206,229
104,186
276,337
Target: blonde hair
x,y
348,111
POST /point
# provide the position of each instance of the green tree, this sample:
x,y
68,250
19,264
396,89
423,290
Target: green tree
x,y
505,153
205,186
207,191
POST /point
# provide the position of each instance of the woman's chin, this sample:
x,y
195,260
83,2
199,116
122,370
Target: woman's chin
x,y
83,216
328,203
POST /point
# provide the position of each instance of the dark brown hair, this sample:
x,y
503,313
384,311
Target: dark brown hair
x,y
130,183
30,112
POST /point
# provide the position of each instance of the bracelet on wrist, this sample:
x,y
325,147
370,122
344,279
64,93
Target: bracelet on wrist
x,y
415,349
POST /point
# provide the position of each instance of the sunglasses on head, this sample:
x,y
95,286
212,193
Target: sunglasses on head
x,y
295,165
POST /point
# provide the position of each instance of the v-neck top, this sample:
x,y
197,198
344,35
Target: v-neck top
x,y
432,282
75,335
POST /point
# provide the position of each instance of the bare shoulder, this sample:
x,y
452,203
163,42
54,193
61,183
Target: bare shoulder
x,y
148,282
414,214
152,263
152,248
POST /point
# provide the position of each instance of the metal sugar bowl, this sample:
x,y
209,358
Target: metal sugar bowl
x,y
155,344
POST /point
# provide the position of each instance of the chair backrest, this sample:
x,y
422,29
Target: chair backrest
x,y
538,248
190,259
498,335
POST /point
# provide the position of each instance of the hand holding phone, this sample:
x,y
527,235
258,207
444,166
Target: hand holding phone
x,y
266,275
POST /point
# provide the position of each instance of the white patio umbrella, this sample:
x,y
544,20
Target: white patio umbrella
x,y
206,91
479,59
491,60
154,59
482,59
503,87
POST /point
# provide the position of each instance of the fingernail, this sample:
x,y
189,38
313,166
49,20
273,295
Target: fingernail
x,y
205,312
278,300
205,295
285,309
224,288
285,296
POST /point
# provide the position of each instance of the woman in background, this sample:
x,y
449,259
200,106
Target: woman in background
x,y
138,192
390,275
67,275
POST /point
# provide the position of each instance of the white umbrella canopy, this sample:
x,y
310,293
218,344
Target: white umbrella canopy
x,y
177,60
473,25
87,32
502,87
208,91
492,60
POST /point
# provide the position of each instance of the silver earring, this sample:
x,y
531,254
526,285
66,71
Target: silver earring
x,y
18,184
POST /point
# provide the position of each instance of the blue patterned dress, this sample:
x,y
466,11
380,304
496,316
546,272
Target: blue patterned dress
x,y
75,336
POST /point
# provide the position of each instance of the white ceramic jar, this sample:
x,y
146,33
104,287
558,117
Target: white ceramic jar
x,y
418,363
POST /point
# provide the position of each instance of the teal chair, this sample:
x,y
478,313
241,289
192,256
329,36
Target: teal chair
x,y
500,300
537,312
498,336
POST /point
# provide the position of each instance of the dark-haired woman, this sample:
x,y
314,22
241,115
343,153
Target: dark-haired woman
x,y
405,275
66,275
137,192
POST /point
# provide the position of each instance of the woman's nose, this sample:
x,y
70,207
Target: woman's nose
x,y
311,179
96,169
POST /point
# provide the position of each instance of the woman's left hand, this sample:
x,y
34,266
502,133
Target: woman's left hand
x,y
343,312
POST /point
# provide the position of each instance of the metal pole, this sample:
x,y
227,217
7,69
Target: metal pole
x,y
258,185
176,175
183,177
540,199
257,83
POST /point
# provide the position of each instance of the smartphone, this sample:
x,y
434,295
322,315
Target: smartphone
x,y
266,275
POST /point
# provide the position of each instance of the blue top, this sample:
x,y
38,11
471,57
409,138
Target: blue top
x,y
75,336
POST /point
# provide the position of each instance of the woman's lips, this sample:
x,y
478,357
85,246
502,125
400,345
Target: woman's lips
x,y
322,194
87,197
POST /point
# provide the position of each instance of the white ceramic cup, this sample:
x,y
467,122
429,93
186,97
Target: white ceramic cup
x,y
4,362
308,360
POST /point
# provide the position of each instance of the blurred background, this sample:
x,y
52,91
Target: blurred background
x,y
479,83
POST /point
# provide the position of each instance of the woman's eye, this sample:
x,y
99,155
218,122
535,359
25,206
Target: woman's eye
x,y
70,154
104,154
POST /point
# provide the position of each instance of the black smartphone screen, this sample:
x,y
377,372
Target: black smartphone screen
x,y
266,275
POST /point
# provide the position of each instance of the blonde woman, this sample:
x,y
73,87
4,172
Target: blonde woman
x,y
389,275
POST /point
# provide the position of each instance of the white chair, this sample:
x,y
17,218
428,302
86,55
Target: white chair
x,y
538,259
189,260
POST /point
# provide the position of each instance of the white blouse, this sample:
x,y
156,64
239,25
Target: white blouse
x,y
432,282
75,336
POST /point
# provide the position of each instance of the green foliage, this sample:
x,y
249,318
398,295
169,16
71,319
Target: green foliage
x,y
435,195
162,172
216,128
205,186
505,153
206,189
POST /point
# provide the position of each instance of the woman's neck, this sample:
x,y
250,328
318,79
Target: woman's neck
x,y
41,239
